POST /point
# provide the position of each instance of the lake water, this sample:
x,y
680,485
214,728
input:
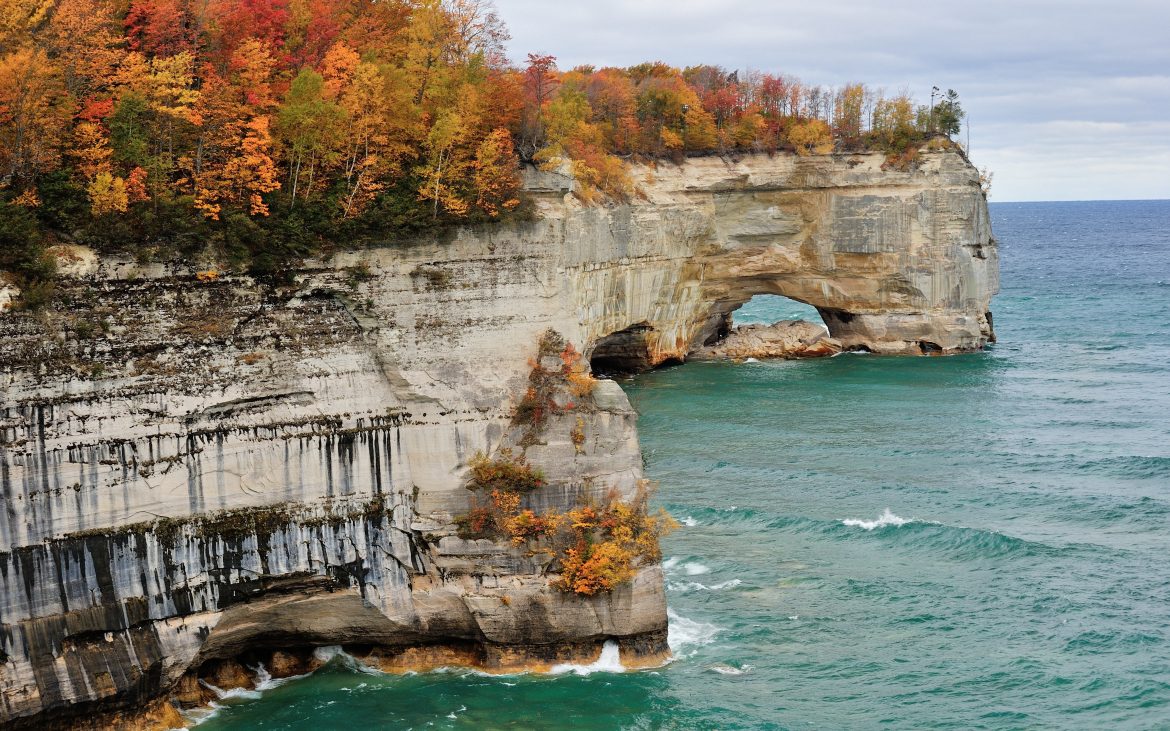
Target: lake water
x,y
979,541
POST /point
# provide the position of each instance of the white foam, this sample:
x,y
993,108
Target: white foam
x,y
685,586
725,669
885,519
197,716
609,662
670,563
227,695
687,634
689,522
751,360
696,569
454,714
334,652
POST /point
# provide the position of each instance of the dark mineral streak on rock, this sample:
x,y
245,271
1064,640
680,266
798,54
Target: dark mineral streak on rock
x,y
238,471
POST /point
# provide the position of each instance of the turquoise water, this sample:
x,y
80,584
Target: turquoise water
x,y
909,543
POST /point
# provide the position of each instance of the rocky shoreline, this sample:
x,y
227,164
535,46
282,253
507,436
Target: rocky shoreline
x,y
197,465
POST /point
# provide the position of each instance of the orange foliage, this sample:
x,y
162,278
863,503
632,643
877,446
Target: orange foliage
x,y
382,110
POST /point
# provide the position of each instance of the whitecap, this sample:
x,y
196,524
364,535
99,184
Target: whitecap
x,y
685,586
695,569
454,714
724,669
226,695
670,563
751,360
887,518
689,522
687,634
610,661
197,716
329,653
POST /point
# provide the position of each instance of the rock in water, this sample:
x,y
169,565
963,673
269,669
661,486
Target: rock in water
x,y
785,339
199,468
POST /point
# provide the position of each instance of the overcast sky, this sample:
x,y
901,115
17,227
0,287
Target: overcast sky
x,y
1067,100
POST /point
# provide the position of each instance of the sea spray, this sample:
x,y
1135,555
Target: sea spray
x,y
610,661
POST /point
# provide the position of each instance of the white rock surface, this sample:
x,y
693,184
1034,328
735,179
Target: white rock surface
x,y
333,420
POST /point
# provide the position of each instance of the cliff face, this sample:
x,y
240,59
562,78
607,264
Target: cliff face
x,y
195,467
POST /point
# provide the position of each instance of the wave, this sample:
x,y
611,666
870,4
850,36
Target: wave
x,y
231,694
685,636
610,661
725,669
1130,466
884,520
952,540
685,586
334,654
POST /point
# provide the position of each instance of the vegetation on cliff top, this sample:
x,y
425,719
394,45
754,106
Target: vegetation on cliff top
x,y
265,129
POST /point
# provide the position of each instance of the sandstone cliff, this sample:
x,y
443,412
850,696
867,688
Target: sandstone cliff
x,y
195,468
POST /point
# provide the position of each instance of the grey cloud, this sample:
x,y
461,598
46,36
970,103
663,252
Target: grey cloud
x,y
1019,66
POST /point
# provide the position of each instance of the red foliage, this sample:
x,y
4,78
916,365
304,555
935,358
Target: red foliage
x,y
162,27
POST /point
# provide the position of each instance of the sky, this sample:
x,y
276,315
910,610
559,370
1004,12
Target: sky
x,y
1066,100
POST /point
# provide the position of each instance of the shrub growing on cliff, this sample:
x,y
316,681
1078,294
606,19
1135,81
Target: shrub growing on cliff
x,y
599,548
552,388
507,472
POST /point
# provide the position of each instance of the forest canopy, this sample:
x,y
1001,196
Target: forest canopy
x,y
268,128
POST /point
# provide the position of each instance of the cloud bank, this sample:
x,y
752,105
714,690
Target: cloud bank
x,y
1066,100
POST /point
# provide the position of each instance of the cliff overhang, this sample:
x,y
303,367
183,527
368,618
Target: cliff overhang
x,y
196,467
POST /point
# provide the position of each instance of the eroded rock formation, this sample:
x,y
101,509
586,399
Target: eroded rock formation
x,y
195,466
785,339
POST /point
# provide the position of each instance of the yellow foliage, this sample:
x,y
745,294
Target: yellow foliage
x,y
811,137
210,275
28,199
590,569
671,140
107,194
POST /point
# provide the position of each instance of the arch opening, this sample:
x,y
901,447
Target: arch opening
x,y
767,309
627,352
768,326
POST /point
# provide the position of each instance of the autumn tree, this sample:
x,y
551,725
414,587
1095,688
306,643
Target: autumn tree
x,y
35,111
233,164
163,27
540,81
497,174
811,137
893,124
19,19
848,112
85,39
309,128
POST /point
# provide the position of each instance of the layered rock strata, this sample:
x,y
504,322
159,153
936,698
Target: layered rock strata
x,y
195,466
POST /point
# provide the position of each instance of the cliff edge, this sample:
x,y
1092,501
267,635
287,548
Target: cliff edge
x,y
199,468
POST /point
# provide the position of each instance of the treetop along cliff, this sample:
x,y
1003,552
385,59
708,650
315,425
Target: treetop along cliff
x,y
265,129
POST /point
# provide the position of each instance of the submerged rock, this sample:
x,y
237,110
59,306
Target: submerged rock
x,y
785,339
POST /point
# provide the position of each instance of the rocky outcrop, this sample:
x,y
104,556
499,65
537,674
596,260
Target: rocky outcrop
x,y
785,339
195,465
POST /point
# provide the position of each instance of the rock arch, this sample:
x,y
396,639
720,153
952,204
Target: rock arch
x,y
224,448
900,263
